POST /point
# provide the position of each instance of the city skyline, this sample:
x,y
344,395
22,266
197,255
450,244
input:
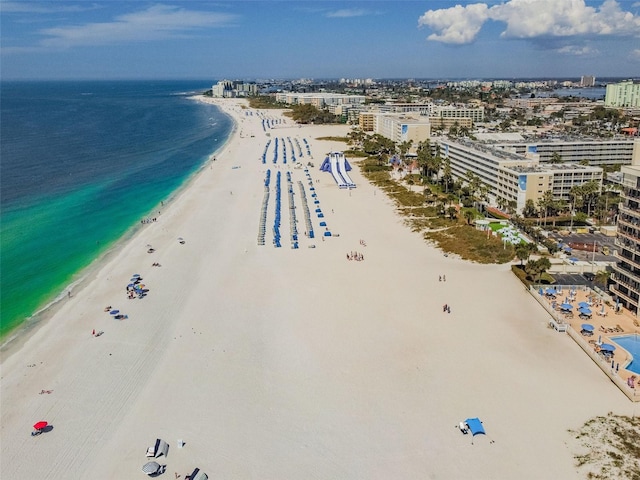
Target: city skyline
x,y
294,39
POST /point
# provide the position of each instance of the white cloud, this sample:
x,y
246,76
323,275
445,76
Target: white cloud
x,y
156,22
578,51
44,8
456,24
635,54
348,12
531,19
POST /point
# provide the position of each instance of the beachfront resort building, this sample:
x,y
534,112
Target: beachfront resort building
x,y
398,127
620,151
231,89
626,270
623,94
320,99
513,178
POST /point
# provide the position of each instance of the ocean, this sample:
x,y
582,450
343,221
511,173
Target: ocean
x,y
82,164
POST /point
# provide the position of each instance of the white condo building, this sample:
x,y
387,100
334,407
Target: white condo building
x,y
620,151
320,99
512,177
623,94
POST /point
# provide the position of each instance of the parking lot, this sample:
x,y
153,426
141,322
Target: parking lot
x,y
572,279
588,239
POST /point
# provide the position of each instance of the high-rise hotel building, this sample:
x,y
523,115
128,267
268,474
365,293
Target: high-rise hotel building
x,y
623,94
626,271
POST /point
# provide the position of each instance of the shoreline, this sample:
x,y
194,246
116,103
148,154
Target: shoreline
x,y
16,337
262,351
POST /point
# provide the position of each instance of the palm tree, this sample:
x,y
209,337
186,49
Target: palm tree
x,y
544,264
545,202
469,215
447,176
555,158
452,212
602,278
522,252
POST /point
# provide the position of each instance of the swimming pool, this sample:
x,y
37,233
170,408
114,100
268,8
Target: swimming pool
x,y
631,343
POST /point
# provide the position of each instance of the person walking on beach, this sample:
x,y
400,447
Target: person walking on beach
x,y
444,278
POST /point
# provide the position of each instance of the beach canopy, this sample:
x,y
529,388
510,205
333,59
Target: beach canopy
x,y
475,426
198,474
587,327
583,304
585,311
566,306
151,467
607,347
40,425
160,448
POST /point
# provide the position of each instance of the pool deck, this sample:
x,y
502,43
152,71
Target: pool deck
x,y
607,327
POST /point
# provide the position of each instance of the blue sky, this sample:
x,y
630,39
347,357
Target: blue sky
x,y
243,39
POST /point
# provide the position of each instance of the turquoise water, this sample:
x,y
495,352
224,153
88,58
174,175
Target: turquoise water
x,y
82,163
631,343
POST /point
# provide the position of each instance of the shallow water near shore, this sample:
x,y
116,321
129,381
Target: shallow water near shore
x,y
83,162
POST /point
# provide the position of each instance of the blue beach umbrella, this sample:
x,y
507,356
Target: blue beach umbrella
x,y
607,347
135,275
566,306
585,311
114,312
583,305
587,327
540,292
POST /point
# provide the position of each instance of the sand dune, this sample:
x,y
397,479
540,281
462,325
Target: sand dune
x,y
278,363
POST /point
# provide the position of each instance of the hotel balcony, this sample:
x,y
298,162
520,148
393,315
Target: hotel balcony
x,y
631,238
635,262
630,300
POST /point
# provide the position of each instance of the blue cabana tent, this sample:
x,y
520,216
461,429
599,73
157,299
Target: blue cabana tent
x,y
475,426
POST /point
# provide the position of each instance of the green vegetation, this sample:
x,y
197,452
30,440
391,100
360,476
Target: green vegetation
x,y
310,114
610,447
335,139
433,215
265,101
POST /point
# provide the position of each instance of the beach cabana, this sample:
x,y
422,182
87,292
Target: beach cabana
x,y
159,448
197,474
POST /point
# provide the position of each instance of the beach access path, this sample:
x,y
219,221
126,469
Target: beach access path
x,y
281,363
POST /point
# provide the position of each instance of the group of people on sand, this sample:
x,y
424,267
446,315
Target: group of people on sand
x,y
148,220
363,243
446,308
442,278
358,257
155,264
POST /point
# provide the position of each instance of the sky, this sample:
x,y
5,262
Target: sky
x,y
245,39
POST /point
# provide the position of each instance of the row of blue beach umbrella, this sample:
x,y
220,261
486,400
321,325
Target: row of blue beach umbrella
x,y
293,222
276,221
263,212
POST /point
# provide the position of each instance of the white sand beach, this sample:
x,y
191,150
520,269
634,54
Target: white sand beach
x,y
281,363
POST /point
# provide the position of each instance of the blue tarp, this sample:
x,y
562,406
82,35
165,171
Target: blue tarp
x,y
475,426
